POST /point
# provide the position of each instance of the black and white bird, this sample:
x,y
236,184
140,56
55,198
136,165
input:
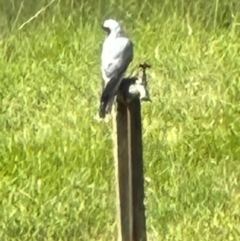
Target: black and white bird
x,y
117,54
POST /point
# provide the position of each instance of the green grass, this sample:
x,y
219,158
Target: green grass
x,y
56,168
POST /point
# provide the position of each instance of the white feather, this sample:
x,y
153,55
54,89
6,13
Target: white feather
x,y
117,54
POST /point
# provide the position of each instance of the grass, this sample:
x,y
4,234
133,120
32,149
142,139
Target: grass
x,y
57,175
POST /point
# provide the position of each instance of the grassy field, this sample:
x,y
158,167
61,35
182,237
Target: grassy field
x,y
56,168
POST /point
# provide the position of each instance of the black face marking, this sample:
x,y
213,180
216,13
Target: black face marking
x,y
107,30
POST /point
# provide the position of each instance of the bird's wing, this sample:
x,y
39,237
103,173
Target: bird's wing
x,y
116,56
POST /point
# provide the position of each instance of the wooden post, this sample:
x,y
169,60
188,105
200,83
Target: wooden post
x,y
135,123
129,169
123,175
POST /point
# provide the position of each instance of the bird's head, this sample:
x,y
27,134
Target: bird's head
x,y
111,25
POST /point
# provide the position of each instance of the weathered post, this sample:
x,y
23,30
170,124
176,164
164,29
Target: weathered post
x,y
127,125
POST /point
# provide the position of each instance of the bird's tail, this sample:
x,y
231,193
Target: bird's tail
x,y
102,110
103,104
107,97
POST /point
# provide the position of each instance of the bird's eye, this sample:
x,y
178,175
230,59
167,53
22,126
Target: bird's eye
x,y
107,30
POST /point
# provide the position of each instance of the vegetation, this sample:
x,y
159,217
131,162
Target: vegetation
x,y
57,174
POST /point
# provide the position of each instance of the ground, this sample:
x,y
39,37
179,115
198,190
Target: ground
x,y
57,173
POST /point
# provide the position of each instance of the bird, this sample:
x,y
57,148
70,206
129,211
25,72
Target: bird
x,y
116,56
